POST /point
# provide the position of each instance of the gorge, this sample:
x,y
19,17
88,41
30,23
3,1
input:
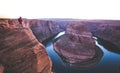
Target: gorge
x,y
108,63
22,49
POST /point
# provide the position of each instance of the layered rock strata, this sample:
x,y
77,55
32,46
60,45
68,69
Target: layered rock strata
x,y
46,29
107,32
20,51
77,45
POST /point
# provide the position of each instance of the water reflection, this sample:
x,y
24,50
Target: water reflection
x,y
109,63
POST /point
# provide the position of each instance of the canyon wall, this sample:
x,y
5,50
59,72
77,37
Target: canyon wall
x,y
46,29
20,51
108,31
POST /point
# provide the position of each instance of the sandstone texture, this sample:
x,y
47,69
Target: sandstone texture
x,y
46,29
77,45
108,31
20,51
1,68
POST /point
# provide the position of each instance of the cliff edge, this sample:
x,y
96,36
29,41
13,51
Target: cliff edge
x,y
20,51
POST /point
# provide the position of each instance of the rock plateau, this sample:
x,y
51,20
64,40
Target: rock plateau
x,y
77,46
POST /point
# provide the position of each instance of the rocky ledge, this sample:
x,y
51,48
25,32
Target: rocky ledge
x,y
20,51
77,46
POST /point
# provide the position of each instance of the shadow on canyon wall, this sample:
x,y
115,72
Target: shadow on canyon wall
x,y
108,45
107,32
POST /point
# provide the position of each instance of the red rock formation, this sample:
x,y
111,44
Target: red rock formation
x,y
45,29
106,30
27,55
1,68
77,45
20,51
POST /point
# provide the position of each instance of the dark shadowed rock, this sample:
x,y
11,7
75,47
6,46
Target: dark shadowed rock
x,y
20,51
108,33
77,45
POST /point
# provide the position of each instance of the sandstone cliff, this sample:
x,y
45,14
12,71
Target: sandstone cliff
x,y
20,51
108,32
77,46
46,29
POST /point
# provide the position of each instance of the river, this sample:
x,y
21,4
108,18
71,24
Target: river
x,y
109,63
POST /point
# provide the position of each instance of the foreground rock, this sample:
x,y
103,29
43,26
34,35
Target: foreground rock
x,y
108,32
1,68
77,46
20,52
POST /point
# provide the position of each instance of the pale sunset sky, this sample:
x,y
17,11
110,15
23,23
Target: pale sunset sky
x,y
78,9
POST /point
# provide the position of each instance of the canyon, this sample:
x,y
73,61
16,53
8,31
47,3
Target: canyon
x,y
22,46
46,29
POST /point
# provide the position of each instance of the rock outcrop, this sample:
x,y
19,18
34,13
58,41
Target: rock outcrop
x,y
46,29
77,45
1,68
20,51
108,32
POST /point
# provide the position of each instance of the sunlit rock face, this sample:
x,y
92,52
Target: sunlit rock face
x,y
77,45
45,29
106,30
20,51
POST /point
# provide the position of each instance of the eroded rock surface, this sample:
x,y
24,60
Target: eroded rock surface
x,y
20,51
1,68
45,29
77,45
108,31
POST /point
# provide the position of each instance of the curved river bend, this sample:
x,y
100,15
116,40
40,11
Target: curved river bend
x,y
109,63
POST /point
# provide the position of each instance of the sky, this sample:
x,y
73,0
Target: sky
x,y
78,9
